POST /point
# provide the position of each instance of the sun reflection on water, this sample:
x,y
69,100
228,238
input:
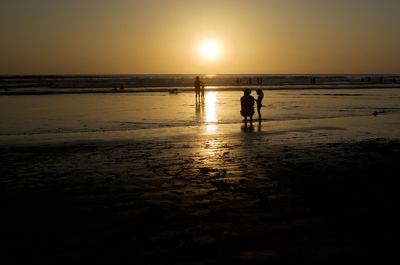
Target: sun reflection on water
x,y
211,128
210,117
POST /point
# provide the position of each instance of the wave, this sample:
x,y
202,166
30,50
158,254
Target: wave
x,y
10,85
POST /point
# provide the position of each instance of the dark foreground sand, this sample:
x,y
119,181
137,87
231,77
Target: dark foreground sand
x,y
244,200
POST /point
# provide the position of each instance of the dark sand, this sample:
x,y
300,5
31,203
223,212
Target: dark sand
x,y
216,200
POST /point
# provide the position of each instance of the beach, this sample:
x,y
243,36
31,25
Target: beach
x,y
199,132
314,182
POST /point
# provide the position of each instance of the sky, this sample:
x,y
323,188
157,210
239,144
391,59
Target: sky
x,y
163,36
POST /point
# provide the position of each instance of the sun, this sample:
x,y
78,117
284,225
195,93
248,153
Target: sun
x,y
210,50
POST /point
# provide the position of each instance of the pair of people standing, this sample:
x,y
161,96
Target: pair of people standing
x,y
247,101
199,87
247,105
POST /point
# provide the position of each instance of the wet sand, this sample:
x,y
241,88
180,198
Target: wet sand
x,y
308,191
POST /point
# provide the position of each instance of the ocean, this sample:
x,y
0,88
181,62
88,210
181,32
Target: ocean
x,y
46,84
58,114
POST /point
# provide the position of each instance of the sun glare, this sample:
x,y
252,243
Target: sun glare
x,y
210,50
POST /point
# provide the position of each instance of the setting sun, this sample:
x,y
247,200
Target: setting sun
x,y
210,50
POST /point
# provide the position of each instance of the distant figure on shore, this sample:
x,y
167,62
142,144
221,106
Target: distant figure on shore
x,y
378,112
260,97
173,91
198,87
247,105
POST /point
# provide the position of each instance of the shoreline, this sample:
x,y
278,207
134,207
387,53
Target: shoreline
x,y
175,90
386,125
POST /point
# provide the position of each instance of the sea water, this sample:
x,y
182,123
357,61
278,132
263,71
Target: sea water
x,y
86,113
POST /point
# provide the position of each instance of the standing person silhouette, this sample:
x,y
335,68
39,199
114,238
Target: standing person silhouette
x,y
247,104
260,97
198,87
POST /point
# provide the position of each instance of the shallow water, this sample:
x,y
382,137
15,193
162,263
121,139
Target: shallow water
x,y
24,115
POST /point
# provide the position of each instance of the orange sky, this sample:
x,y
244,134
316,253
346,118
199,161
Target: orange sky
x,y
137,37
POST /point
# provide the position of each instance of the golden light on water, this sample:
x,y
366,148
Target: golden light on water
x,y
210,106
211,128
211,117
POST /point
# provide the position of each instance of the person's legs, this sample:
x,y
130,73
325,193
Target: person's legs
x,y
259,113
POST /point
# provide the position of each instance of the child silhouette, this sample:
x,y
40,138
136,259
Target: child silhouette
x,y
260,97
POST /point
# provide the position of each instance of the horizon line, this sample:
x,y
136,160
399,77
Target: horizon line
x,y
194,74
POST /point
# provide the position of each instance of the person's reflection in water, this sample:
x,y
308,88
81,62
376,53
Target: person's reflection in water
x,y
198,88
247,129
199,110
251,128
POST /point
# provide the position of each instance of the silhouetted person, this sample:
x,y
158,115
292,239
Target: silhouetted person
x,y
260,97
247,104
198,87
173,91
